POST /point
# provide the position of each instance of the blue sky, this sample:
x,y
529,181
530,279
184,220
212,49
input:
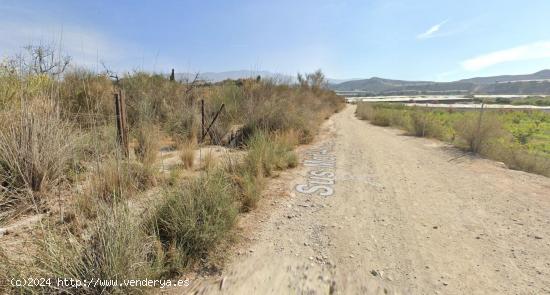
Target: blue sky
x,y
401,39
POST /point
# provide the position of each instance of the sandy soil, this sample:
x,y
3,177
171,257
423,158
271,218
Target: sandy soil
x,y
407,216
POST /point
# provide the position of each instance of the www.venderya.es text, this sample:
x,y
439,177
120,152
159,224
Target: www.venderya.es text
x,y
97,283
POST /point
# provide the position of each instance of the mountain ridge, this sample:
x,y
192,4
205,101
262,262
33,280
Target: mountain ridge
x,y
535,83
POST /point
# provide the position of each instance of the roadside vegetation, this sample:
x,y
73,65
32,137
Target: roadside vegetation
x,y
530,100
107,215
520,139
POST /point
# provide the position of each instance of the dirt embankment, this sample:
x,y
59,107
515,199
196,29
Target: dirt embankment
x,y
372,211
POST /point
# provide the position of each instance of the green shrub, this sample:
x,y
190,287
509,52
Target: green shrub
x,y
184,125
250,187
478,131
364,111
518,158
10,87
381,117
193,218
267,154
423,123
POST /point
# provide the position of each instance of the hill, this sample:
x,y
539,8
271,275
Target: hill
x,y
536,83
540,75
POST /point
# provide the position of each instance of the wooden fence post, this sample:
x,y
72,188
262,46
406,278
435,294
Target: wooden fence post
x,y
204,131
213,120
202,120
122,131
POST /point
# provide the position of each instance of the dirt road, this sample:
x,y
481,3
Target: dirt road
x,y
404,216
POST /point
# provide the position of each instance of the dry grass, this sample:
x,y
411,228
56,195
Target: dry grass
x,y
117,179
208,161
148,143
267,154
110,182
187,155
288,138
519,159
477,132
85,92
118,248
250,188
364,111
10,203
270,107
36,147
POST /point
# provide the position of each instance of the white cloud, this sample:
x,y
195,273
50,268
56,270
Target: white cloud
x,y
537,50
431,31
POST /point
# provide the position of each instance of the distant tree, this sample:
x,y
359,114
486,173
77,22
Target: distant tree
x,y
41,59
302,80
317,79
314,80
172,76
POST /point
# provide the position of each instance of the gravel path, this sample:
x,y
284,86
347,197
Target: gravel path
x,y
404,216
